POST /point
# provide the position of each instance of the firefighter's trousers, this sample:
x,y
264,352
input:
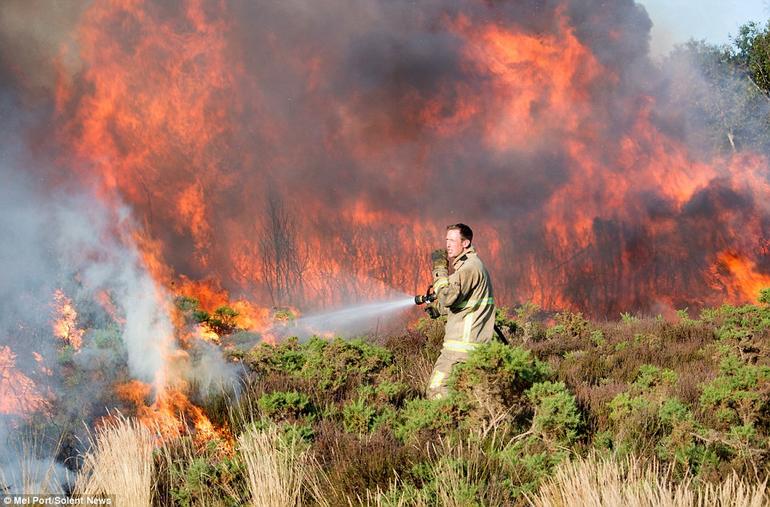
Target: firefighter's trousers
x,y
437,386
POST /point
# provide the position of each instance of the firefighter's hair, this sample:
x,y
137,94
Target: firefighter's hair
x,y
465,231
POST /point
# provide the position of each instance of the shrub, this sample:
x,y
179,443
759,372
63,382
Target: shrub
x,y
556,417
360,417
494,380
419,416
526,462
569,324
739,395
289,405
222,321
191,472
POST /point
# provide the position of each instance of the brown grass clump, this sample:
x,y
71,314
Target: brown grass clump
x,y
354,464
278,467
119,463
607,482
415,353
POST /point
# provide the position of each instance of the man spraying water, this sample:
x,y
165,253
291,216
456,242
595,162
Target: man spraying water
x,y
465,297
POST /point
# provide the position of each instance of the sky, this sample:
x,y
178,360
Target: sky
x,y
676,21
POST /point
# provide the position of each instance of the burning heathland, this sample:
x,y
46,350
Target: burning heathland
x,y
199,196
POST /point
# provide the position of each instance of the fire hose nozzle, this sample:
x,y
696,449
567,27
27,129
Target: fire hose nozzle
x,y
421,299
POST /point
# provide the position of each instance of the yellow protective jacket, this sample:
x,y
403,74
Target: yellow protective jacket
x,y
466,298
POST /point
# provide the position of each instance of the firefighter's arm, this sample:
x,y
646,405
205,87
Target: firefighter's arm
x,y
450,289
435,309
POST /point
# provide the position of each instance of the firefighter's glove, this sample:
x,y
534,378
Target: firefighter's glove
x,y
432,311
440,263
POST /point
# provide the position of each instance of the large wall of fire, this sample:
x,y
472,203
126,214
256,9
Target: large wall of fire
x,y
311,153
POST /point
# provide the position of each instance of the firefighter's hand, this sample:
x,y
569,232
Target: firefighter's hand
x,y
432,311
440,263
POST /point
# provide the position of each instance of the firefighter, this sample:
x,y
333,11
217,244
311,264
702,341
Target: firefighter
x,y
466,298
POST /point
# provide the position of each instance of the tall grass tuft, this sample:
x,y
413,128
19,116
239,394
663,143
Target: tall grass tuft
x,y
735,492
609,482
277,467
119,463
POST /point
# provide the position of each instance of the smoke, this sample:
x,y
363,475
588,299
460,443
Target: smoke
x,y
37,43
311,153
68,242
24,467
65,239
209,372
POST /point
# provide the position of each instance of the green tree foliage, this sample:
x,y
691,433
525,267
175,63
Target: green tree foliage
x,y
723,110
752,53
222,321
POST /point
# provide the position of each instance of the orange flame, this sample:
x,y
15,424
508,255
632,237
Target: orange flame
x,y
18,393
168,123
65,326
169,411
742,280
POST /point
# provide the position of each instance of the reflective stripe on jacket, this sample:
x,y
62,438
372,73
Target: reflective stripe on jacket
x,y
466,298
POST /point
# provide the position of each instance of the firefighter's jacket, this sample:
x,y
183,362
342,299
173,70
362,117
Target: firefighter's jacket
x,y
466,298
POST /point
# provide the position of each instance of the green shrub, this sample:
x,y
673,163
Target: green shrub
x,y
642,415
501,365
287,357
556,418
526,463
66,356
359,417
504,322
420,415
500,374
569,324
335,366
222,321
650,376
739,395
107,338
393,392
288,405
195,475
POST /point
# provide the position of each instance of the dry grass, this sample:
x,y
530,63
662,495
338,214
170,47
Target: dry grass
x,y
23,472
607,482
395,496
278,468
119,463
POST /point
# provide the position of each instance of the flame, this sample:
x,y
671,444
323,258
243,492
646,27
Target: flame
x,y
18,393
742,279
64,325
211,296
582,197
40,360
169,411
104,299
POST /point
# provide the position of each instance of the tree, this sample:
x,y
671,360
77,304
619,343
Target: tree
x,y
723,109
283,261
752,53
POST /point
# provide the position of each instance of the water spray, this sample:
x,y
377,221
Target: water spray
x,y
352,319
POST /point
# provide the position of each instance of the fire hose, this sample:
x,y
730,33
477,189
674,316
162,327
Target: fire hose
x,y
430,297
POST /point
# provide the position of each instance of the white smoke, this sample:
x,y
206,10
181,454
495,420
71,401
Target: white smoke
x,y
66,238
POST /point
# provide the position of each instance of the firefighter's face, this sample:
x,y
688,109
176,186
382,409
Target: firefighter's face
x,y
454,243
